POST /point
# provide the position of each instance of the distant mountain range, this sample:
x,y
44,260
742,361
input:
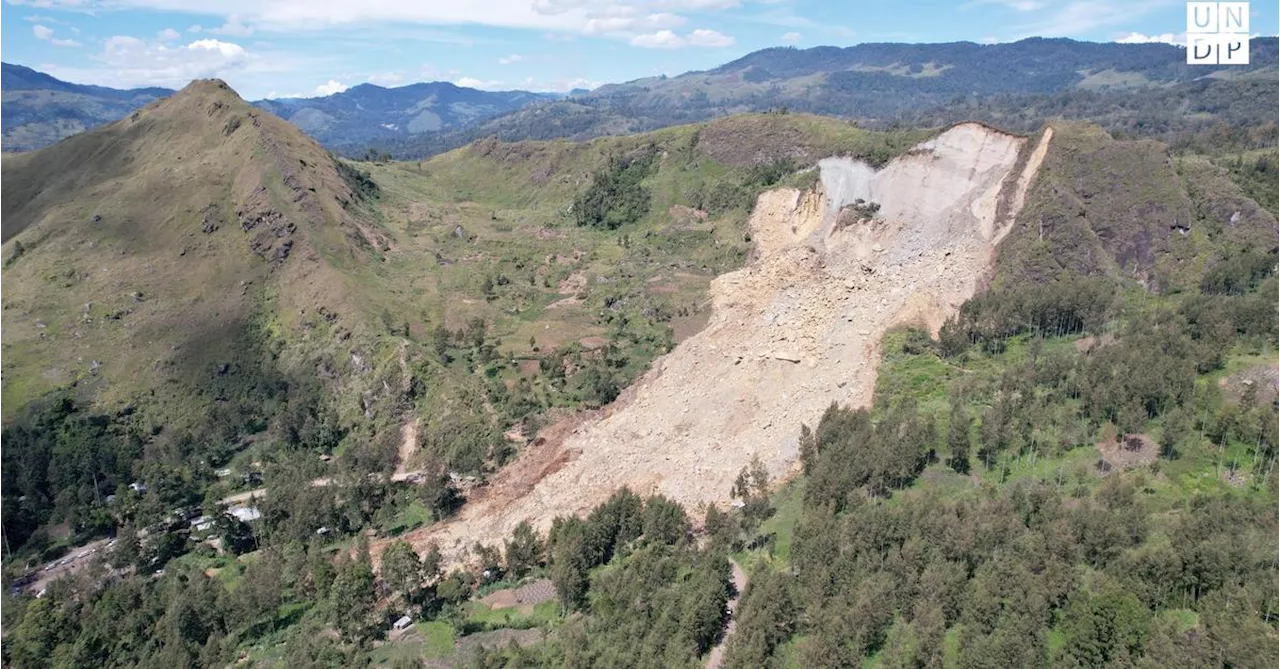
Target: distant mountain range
x,y
37,110
366,114
1140,87
883,84
40,109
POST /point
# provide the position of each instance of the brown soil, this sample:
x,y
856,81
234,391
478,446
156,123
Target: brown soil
x,y
1091,343
1261,380
593,343
523,598
573,285
1133,450
408,446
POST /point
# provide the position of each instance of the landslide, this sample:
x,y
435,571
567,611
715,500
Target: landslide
x,y
795,330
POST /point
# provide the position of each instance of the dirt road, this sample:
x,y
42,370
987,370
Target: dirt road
x,y
716,657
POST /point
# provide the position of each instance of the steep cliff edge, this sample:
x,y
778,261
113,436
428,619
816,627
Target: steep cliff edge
x,y
795,330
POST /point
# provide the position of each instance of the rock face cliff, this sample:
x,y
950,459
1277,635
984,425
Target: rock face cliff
x,y
795,330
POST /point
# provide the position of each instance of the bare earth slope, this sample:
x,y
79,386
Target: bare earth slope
x,y
793,331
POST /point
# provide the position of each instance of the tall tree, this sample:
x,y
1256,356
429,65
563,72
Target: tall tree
x,y
958,440
524,550
401,570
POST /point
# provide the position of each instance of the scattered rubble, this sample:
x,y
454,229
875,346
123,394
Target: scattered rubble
x,y
721,397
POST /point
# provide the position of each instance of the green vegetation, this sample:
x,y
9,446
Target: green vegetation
x,y
615,196
1073,472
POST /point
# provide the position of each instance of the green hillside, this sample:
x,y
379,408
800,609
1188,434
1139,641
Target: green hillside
x,y
1079,472
1079,469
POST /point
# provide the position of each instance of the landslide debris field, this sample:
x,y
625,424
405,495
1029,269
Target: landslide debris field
x,y
794,330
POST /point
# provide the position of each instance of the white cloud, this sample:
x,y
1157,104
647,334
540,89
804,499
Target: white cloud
x,y
168,35
623,20
331,87
580,82
195,28
1019,5
471,82
225,49
1180,39
234,27
704,37
128,62
665,39
791,38
45,33
1081,17
37,18
513,58
386,78
617,18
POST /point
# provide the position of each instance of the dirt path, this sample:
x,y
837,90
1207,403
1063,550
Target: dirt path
x,y
716,657
796,329
408,446
242,497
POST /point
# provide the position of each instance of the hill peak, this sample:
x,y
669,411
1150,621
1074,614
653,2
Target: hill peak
x,y
208,86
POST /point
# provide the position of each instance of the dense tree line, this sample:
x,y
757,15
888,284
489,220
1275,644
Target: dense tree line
x,y
1004,570
615,197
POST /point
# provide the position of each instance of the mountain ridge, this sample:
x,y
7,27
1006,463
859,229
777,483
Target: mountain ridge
x,y
878,83
40,109
883,84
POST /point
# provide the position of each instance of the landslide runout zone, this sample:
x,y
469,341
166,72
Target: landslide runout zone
x,y
793,331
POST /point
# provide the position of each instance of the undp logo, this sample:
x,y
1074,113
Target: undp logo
x,y
1217,33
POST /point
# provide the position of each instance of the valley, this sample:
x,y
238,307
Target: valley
x,y
945,394
794,331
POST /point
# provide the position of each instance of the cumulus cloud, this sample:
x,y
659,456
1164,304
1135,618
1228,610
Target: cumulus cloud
x,y
234,27
331,87
45,33
666,39
791,38
663,39
513,58
386,78
1179,39
704,37
168,35
128,62
624,21
472,82
580,82
558,85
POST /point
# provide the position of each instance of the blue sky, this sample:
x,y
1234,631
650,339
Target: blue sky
x,y
276,48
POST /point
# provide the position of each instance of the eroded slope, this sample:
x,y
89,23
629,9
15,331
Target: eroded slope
x,y
793,331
